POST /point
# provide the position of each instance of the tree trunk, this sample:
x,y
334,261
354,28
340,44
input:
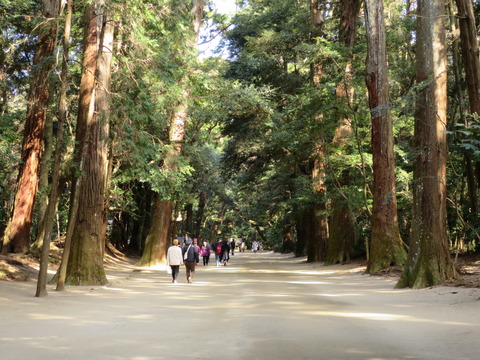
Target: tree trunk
x,y
302,228
102,114
202,203
312,245
320,235
429,260
340,246
386,248
321,232
47,224
470,50
288,245
85,262
43,185
189,220
155,249
17,233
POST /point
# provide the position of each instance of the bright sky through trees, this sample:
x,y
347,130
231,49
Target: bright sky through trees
x,y
225,6
206,48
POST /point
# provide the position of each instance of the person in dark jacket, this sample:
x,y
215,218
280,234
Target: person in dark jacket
x,y
190,259
225,252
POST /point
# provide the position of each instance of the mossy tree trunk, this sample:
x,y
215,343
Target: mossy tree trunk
x,y
85,260
386,247
429,261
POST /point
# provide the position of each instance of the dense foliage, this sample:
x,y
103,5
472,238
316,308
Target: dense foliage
x,y
256,119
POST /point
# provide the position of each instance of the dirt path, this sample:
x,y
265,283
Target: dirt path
x,y
261,306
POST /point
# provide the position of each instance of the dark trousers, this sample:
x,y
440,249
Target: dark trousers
x,y
206,259
175,271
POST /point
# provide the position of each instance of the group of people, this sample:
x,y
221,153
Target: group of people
x,y
223,247
189,255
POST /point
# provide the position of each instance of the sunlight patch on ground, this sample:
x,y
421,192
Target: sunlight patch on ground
x,y
291,303
383,317
140,317
366,316
50,317
340,295
307,282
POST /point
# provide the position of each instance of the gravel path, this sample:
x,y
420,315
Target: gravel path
x,y
261,306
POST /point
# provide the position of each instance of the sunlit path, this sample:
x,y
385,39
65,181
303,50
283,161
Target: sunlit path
x,y
260,306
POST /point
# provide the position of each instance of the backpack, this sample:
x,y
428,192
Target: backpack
x,y
218,250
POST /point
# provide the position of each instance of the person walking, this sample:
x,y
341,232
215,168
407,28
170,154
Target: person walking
x,y
195,243
255,246
225,252
205,253
190,258
217,247
174,259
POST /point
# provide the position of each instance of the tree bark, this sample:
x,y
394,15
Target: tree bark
x,y
386,248
340,246
102,114
318,248
17,233
470,52
85,265
202,203
84,259
429,261
41,204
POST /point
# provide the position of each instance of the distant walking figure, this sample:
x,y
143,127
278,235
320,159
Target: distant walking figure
x,y
174,259
242,246
225,252
205,253
255,246
217,247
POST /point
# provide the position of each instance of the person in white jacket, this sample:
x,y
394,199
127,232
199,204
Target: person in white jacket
x,y
174,259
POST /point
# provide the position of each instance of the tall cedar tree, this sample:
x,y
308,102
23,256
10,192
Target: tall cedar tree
x,y
85,260
429,260
317,246
17,234
342,224
386,245
469,43
156,242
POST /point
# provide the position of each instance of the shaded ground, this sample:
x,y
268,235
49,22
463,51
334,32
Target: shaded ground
x,y
261,306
